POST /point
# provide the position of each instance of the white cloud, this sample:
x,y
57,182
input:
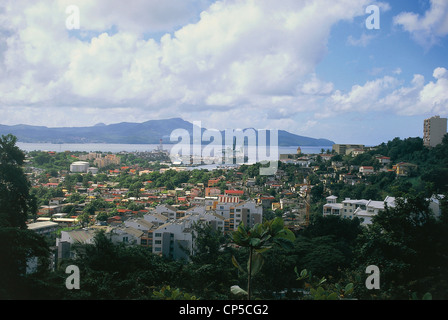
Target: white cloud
x,y
363,41
428,29
388,94
398,71
235,59
247,54
361,98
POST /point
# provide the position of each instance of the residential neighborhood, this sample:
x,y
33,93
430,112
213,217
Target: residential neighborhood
x,y
141,216
121,199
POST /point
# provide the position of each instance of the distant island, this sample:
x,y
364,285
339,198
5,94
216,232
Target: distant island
x,y
149,132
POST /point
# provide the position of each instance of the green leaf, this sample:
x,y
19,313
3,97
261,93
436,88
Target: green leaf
x,y
237,265
262,249
276,225
321,281
303,274
332,296
348,288
286,234
257,263
427,296
236,290
284,243
254,242
240,238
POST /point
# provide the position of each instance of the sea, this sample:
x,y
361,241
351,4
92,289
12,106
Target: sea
x,y
117,148
129,148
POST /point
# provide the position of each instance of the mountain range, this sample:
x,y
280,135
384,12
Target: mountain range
x,y
149,132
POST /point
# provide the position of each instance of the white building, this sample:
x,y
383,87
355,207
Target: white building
x,y
166,210
351,208
366,170
247,212
139,224
173,239
126,235
156,219
332,207
373,208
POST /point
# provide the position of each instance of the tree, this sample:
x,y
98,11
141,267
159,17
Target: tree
x,y
18,244
408,245
317,192
15,200
134,189
259,239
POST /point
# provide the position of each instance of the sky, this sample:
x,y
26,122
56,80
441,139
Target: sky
x,y
333,69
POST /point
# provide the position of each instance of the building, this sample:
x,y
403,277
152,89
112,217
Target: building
x,y
212,191
332,207
351,208
383,160
77,236
366,170
291,156
125,235
44,227
156,219
434,129
173,239
405,168
109,159
139,224
247,212
346,149
373,208
167,210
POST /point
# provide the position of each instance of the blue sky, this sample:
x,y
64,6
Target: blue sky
x,y
387,50
309,67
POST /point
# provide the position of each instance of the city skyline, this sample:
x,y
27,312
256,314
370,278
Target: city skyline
x,y
313,68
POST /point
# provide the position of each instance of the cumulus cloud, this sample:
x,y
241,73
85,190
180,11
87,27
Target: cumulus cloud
x,y
389,94
428,29
361,98
214,60
232,53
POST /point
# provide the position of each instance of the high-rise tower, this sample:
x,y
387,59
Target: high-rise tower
x,y
434,129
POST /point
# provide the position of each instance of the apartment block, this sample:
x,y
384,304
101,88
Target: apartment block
x,y
434,129
173,239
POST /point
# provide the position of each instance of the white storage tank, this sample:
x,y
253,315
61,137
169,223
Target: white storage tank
x,y
79,166
92,170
